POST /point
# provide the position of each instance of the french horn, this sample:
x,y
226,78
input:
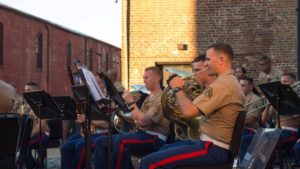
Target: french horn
x,y
123,121
185,129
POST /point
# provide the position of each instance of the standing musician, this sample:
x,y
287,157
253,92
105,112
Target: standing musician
x,y
73,151
220,103
153,127
36,138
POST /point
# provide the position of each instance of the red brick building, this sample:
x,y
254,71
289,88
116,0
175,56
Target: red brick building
x,y
170,33
33,49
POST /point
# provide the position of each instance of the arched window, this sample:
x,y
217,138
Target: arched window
x,y
69,54
1,43
39,52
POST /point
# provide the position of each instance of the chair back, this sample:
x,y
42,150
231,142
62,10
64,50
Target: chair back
x,y
9,126
26,124
237,134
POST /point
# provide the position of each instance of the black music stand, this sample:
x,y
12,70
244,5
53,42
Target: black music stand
x,y
67,106
284,100
115,95
94,96
43,107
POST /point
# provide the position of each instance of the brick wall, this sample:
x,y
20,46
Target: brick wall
x,y
253,28
20,45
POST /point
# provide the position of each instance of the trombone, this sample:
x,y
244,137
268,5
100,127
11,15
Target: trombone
x,y
263,97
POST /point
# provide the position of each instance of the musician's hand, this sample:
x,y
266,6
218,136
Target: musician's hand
x,y
127,97
81,132
175,81
80,118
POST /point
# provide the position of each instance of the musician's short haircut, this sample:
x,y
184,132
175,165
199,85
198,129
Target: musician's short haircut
x,y
223,48
265,58
289,74
248,79
242,68
199,58
156,70
34,85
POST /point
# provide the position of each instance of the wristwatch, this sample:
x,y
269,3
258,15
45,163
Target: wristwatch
x,y
176,89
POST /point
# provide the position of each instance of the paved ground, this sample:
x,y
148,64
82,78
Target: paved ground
x,y
53,161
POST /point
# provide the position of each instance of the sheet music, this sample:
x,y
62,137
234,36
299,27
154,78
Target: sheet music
x,y
93,85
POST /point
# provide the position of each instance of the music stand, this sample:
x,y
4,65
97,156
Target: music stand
x,y
81,94
67,106
43,107
260,148
94,94
282,97
286,102
115,95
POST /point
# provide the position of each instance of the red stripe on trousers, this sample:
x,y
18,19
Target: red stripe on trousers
x,y
291,139
181,157
82,156
35,141
123,142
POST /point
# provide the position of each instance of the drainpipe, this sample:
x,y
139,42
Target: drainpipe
x,y
128,41
48,60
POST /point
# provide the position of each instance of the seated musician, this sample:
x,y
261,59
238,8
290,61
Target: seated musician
x,y
36,138
253,108
205,79
289,123
220,103
153,127
73,150
253,105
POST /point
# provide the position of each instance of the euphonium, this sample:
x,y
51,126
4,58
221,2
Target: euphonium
x,y
184,128
123,121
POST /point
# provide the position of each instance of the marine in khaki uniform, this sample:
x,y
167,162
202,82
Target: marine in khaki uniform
x,y
253,105
289,123
220,103
153,127
268,72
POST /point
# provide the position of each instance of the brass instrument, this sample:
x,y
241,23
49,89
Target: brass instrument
x,y
263,97
185,129
123,121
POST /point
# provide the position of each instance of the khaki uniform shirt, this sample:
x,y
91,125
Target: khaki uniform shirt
x,y
153,110
291,120
8,98
274,75
257,103
221,103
